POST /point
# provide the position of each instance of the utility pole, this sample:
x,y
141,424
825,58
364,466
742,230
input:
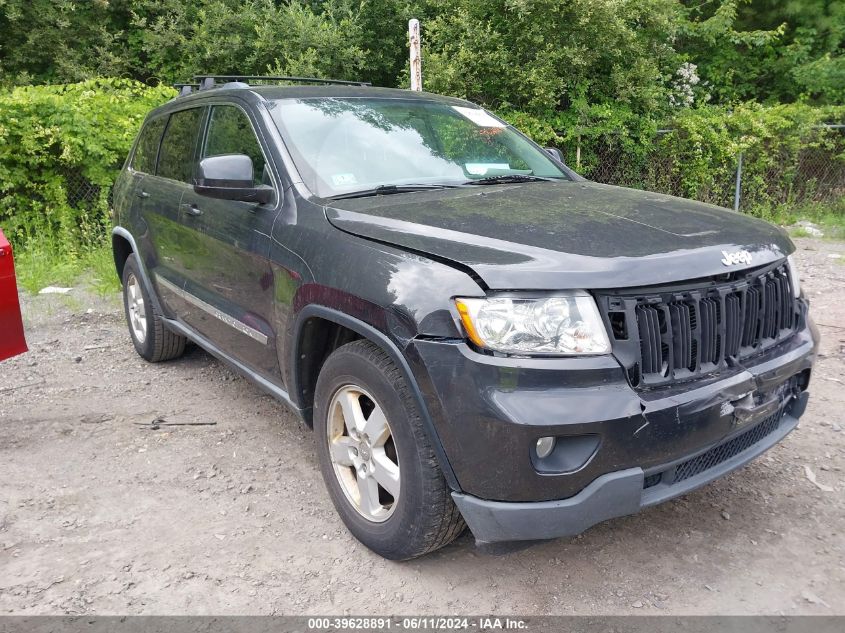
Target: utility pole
x,y
416,55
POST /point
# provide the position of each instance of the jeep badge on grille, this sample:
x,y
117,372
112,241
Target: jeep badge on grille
x,y
737,257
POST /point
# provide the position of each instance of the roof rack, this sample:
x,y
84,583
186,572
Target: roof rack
x,y
205,82
185,89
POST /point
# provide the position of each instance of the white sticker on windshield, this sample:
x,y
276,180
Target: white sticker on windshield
x,y
341,180
478,116
481,169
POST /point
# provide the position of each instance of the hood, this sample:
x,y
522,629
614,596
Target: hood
x,y
546,236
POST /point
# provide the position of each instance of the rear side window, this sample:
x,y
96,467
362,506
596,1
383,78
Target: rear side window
x,y
147,149
230,132
176,158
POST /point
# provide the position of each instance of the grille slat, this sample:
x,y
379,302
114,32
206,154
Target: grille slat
x,y
785,303
682,335
709,331
686,332
777,288
649,328
733,324
752,317
769,324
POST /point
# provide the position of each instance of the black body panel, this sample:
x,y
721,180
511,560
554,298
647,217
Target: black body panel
x,y
553,236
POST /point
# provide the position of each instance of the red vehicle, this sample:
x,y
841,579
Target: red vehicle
x,y
12,341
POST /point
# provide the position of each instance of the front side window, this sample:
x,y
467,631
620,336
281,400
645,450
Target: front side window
x,y
146,151
230,132
176,158
343,145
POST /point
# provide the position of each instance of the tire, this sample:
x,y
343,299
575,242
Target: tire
x,y
422,517
151,338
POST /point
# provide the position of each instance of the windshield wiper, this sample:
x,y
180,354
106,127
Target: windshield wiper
x,y
386,190
505,178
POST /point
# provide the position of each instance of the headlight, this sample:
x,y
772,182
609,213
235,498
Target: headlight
x,y
793,277
564,325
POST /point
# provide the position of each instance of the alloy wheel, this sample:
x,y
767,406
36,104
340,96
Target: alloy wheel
x,y
363,453
137,309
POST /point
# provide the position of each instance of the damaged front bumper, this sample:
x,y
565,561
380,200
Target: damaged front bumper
x,y
617,450
618,493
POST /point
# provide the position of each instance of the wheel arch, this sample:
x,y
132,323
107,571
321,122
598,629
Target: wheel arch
x,y
124,245
121,250
303,371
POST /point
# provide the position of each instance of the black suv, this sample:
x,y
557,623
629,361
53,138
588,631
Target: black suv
x,y
476,333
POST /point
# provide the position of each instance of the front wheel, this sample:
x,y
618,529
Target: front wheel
x,y
376,458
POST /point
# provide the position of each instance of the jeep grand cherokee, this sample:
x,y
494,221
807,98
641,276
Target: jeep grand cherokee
x,y
476,334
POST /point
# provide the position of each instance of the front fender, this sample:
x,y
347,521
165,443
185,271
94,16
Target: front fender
x,y
369,332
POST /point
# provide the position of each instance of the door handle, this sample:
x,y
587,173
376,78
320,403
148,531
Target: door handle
x,y
143,194
191,209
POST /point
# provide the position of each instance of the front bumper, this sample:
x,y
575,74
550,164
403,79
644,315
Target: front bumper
x,y
611,495
489,412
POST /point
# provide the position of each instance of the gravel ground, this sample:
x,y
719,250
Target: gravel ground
x,y
99,515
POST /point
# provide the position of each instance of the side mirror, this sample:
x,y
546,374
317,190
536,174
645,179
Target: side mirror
x,y
554,152
230,177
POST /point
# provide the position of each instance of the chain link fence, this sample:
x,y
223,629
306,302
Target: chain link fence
x,y
82,193
814,173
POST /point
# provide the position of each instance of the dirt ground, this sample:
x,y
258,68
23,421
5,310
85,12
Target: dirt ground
x,y
99,515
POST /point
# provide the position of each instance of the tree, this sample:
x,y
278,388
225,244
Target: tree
x,y
61,40
546,58
769,50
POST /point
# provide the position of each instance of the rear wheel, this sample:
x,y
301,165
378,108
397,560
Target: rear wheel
x,y
151,338
376,457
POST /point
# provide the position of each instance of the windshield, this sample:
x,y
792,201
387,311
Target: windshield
x,y
356,144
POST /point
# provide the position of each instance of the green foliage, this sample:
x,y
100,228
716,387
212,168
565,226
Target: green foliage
x,y
62,40
535,56
171,40
768,50
784,149
40,265
60,150
181,39
705,142
545,56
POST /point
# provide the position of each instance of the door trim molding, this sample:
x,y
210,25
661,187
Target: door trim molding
x,y
218,314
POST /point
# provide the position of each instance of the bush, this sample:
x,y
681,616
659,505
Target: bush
x,y
775,143
789,158
61,148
